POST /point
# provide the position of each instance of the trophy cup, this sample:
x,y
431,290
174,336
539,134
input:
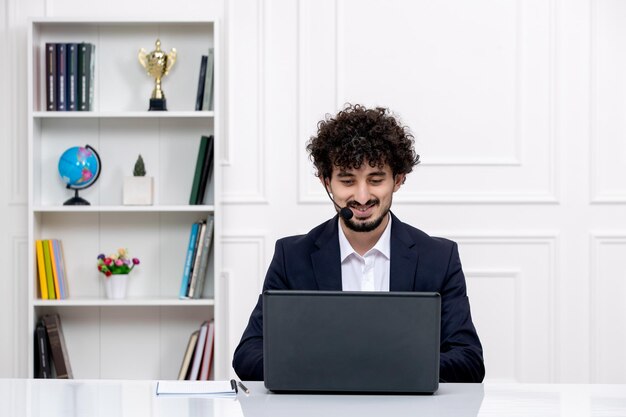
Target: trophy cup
x,y
157,64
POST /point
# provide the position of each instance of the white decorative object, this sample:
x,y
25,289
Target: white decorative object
x,y
115,286
138,191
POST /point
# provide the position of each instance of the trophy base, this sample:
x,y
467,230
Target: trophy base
x,y
157,104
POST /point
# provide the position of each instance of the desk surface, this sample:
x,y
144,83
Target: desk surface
x,y
106,398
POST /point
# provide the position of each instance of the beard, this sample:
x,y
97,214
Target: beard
x,y
367,226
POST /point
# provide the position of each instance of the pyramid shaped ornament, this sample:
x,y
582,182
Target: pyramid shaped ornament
x,y
157,65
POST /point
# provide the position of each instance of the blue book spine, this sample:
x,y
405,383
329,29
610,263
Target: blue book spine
x,y
191,248
60,269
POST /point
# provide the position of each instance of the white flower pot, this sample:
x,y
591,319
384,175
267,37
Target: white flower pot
x,y
138,191
115,286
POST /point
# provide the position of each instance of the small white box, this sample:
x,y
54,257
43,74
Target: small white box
x,y
138,191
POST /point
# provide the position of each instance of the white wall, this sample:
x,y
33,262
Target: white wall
x,y
517,107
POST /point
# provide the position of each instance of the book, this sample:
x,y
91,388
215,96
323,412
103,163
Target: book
x,y
41,270
60,269
197,356
207,99
195,186
201,81
195,291
193,235
51,76
48,266
191,346
65,287
84,62
42,352
207,356
72,77
55,273
207,169
196,261
92,75
61,85
196,247
60,356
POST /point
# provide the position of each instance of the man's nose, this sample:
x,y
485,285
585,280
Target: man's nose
x,y
362,193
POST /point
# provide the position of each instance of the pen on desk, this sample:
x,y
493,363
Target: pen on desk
x,y
243,387
233,385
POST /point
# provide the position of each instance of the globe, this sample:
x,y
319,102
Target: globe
x,y
79,168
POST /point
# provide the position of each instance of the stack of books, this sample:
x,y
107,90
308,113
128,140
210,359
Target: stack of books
x,y
204,168
197,259
51,270
51,357
198,359
70,76
204,95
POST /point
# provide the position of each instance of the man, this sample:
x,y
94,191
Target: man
x,y
362,157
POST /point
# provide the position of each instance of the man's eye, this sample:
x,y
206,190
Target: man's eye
x,y
347,182
376,181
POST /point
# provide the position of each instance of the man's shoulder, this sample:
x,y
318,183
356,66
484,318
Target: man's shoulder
x,y
422,239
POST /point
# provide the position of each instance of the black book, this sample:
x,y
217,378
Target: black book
x,y
85,58
207,169
51,76
71,97
201,81
61,76
42,352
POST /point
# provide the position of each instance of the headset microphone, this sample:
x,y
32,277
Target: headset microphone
x,y
344,212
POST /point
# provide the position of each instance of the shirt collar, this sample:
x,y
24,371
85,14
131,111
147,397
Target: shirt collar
x,y
383,245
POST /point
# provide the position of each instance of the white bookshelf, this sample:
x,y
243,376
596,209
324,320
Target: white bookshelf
x,y
145,335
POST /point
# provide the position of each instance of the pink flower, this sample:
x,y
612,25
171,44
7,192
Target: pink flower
x,y
119,262
107,261
135,261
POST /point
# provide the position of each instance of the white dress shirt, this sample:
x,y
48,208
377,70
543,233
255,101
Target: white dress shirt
x,y
369,272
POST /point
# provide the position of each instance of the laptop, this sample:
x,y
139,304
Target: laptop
x,y
351,342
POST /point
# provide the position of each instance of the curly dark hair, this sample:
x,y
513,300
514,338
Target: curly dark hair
x,y
357,134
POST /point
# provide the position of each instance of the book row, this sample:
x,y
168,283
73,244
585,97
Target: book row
x,y
202,173
51,357
197,362
197,259
51,269
70,76
204,94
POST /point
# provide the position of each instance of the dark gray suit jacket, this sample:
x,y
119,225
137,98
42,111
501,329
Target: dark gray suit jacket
x,y
418,263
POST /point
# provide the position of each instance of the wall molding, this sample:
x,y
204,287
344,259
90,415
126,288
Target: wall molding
x,y
597,239
546,195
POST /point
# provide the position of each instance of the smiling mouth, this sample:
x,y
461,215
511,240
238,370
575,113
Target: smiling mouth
x,y
363,209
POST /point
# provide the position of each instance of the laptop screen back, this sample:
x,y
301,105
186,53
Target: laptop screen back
x,y
340,341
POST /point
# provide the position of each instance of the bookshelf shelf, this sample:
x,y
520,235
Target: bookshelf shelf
x,y
125,115
125,209
150,328
128,302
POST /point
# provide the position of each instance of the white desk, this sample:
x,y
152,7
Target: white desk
x,y
105,398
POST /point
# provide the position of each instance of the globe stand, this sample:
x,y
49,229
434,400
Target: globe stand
x,y
76,200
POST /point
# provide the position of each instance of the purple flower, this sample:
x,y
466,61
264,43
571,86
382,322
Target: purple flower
x,y
135,261
101,256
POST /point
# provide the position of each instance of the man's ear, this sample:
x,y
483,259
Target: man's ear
x,y
325,181
398,181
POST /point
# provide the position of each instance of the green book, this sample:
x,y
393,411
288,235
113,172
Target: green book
x,y
195,187
48,265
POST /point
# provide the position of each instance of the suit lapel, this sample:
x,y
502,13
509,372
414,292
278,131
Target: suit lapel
x,y
326,261
403,258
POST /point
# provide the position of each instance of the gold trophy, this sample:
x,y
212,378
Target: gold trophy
x,y
157,64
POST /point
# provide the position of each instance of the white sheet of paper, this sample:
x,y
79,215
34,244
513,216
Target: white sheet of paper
x,y
211,388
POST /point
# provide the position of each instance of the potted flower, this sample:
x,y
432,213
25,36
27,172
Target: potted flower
x,y
116,268
138,189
